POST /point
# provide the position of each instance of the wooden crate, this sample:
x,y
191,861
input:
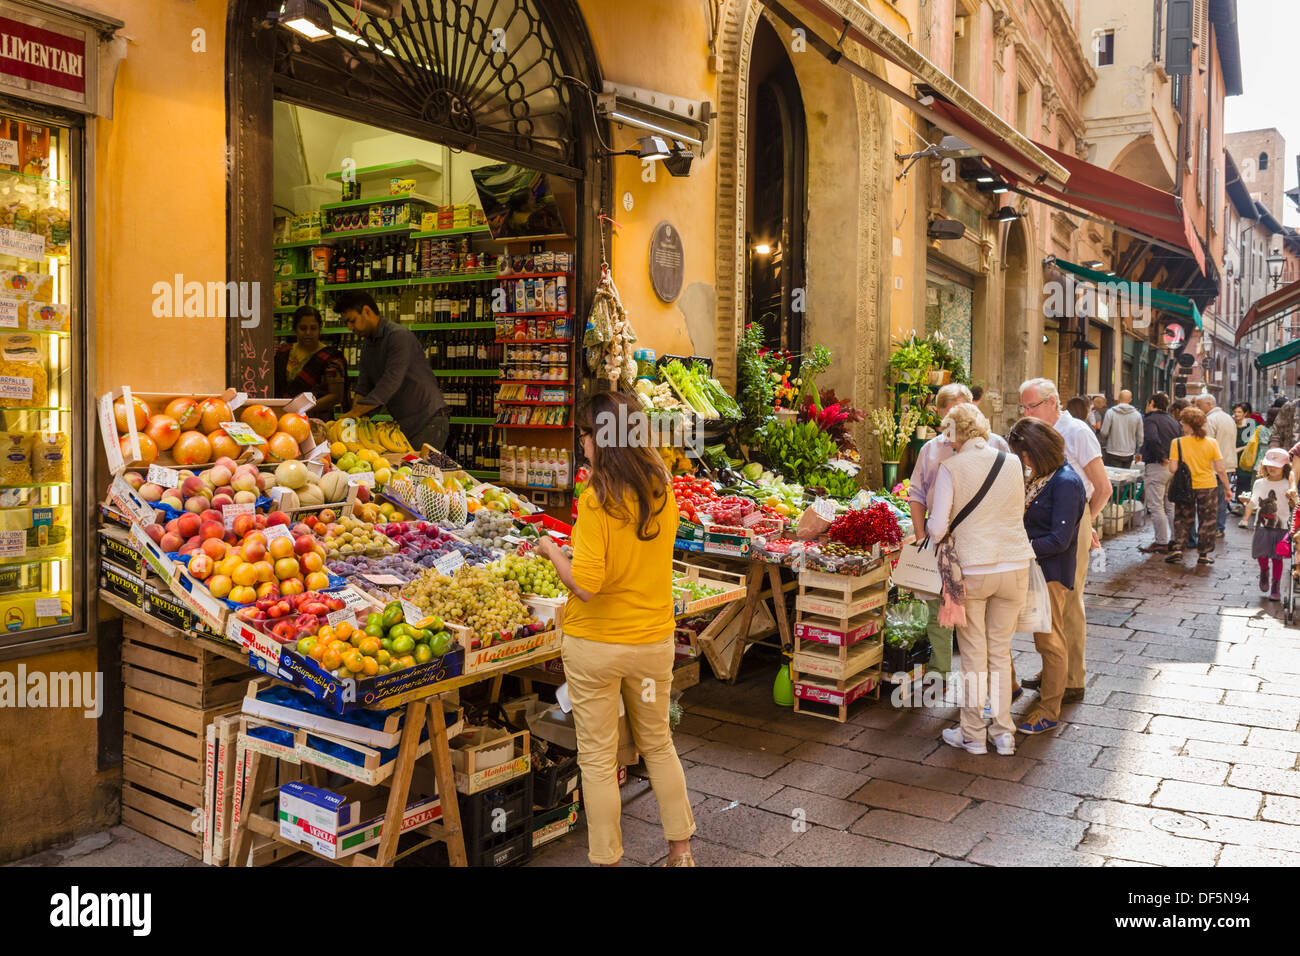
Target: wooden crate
x,y
832,662
686,674
839,632
177,670
830,699
168,736
841,597
846,585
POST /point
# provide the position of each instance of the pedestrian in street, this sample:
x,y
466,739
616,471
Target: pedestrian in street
x,y
1209,486
1176,411
1078,407
1270,501
1039,399
1098,413
976,395
1055,501
1283,434
921,486
1121,432
1253,415
1247,450
618,626
974,492
1220,426
1160,429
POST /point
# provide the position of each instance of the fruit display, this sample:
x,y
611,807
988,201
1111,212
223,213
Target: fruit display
x,y
490,606
383,644
489,528
696,589
694,496
363,434
288,617
350,535
399,566
260,565
303,489
225,483
533,574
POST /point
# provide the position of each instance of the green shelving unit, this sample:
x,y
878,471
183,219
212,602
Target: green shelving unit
x,y
296,277
444,233
458,420
379,201
297,245
364,233
458,277
467,372
484,475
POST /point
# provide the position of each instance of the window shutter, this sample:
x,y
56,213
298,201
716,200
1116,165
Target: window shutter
x,y
1178,34
1203,165
1201,32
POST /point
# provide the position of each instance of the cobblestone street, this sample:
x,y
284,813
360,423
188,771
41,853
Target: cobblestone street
x,y
1183,753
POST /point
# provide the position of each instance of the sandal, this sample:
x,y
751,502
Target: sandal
x,y
684,860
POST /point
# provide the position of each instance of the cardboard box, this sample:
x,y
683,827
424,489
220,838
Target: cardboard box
x,y
485,757
161,603
116,546
515,652
121,583
335,827
556,727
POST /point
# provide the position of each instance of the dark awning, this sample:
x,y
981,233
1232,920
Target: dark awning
x,y
1179,305
1279,355
1275,303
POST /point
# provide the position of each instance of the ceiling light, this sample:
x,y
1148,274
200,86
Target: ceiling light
x,y
985,179
762,249
1093,264
995,187
308,18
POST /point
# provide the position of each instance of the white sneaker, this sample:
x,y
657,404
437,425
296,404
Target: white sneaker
x,y
953,738
1005,744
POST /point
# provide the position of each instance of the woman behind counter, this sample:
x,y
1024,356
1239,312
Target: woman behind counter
x,y
305,365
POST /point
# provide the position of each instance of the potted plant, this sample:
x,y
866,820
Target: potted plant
x,y
948,366
892,436
911,361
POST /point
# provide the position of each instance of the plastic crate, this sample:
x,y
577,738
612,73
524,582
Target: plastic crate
x,y
556,783
903,658
498,823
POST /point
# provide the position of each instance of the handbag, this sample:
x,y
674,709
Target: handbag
x,y
1283,548
1180,486
1036,615
917,569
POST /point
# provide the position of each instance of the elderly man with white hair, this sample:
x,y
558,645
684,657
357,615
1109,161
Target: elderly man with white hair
x,y
1039,399
920,490
1220,426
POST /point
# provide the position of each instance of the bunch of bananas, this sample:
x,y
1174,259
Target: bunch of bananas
x,y
364,433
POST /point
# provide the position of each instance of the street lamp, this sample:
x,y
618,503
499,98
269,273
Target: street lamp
x,y
1275,262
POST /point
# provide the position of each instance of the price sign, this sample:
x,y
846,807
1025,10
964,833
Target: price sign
x,y
13,544
449,562
130,503
274,531
108,431
752,519
24,245
276,493
164,477
422,469
344,614
236,403
384,580
8,152
512,539
354,598
824,508
366,478
230,512
9,313
319,452
15,386
49,607
412,613
241,433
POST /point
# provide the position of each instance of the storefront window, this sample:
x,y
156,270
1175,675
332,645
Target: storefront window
x,y
948,307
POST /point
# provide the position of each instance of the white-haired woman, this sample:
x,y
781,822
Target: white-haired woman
x,y
974,492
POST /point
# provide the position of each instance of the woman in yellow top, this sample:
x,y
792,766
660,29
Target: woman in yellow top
x,y
1204,459
618,624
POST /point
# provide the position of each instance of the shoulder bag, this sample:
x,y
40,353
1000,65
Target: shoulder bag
x,y
1180,486
917,569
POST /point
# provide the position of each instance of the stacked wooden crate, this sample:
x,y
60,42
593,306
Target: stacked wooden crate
x,y
838,641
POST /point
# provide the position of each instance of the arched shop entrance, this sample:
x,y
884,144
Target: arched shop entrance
x,y
429,96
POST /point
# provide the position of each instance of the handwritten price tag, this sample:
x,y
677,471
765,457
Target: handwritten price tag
x,y
241,433
449,562
422,469
412,613
230,512
49,607
274,531
345,614
824,508
384,580
354,598
752,519
366,478
164,477
15,386
9,313
13,544
24,245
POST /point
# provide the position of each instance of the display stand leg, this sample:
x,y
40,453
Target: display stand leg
x,y
440,753
400,784
259,772
753,598
494,694
779,609
707,637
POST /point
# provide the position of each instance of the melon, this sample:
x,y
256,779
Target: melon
x,y
291,474
289,501
334,486
311,495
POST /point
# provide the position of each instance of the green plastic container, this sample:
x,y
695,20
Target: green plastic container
x,y
783,688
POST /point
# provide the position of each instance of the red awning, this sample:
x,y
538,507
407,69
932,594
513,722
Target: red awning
x,y
1135,207
1287,297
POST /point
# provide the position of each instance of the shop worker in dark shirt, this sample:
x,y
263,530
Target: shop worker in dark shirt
x,y
394,373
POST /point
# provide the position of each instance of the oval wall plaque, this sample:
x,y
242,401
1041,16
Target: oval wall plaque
x,y
667,262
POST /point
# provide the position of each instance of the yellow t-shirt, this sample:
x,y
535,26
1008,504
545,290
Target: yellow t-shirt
x,y
630,580
1201,454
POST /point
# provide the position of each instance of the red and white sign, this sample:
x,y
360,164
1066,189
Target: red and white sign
x,y
42,56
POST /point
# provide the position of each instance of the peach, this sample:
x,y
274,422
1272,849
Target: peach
x,y
214,548
228,564
244,497
219,474
155,532
265,481
304,543
211,529
172,500
230,538
287,568
277,517
256,534
317,580
245,575
220,501
171,542
220,585
226,462
134,479
281,548
244,482
225,490
188,524
311,561
201,566
194,485
151,492
252,550
327,516
242,525
259,522
268,589
242,594
198,504
265,570
291,586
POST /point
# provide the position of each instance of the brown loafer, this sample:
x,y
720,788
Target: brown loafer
x,y
1072,695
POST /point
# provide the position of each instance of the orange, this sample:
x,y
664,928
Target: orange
x,y
356,638
331,661
406,660
369,645
383,657
339,646
344,630
318,651
370,666
353,661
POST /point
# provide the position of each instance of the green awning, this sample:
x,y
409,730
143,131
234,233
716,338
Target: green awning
x,y
1164,301
1279,355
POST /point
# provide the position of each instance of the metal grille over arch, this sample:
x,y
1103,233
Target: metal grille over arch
x,y
484,75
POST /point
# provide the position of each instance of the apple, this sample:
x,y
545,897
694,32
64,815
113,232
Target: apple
x,y
363,493
151,492
327,516
134,479
311,521
171,542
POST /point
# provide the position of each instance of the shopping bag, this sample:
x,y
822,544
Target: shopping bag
x,y
1283,548
1036,615
917,569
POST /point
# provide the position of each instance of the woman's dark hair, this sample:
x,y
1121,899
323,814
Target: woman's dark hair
x,y
1041,444
1161,401
1194,419
1077,407
305,312
976,393
1244,406
626,467
1177,405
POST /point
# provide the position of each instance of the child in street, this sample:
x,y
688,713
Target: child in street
x,y
1270,501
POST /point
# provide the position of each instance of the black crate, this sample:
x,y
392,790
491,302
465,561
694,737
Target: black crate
x,y
557,783
904,658
510,850
495,820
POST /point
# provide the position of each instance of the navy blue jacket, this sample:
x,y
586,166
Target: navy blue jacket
x,y
1160,429
1052,523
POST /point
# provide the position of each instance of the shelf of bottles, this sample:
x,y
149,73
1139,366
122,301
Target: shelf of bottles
x,y
37,375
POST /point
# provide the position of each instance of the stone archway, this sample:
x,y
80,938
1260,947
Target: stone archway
x,y
1022,324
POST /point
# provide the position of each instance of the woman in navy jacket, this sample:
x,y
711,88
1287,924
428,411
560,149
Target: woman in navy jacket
x,y
1054,502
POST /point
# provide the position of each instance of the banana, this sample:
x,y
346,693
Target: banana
x,y
386,437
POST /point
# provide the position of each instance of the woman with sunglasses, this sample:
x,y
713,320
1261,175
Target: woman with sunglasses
x,y
619,622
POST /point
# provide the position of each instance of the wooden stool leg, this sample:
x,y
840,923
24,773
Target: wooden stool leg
x,y
259,772
440,752
400,783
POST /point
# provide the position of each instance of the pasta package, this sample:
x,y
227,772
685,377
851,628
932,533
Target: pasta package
x,y
27,285
49,457
23,382
15,458
44,317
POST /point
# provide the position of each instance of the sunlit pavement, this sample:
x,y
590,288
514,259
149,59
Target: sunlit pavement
x,y
1183,753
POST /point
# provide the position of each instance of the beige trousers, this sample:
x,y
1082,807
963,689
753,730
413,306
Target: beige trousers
x,y
993,603
599,673
1051,647
1074,626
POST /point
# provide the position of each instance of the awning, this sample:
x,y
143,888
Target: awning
x,y
1275,303
1179,305
1279,355
976,123
1132,207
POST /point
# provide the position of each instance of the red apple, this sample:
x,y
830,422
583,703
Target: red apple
x,y
363,493
311,521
